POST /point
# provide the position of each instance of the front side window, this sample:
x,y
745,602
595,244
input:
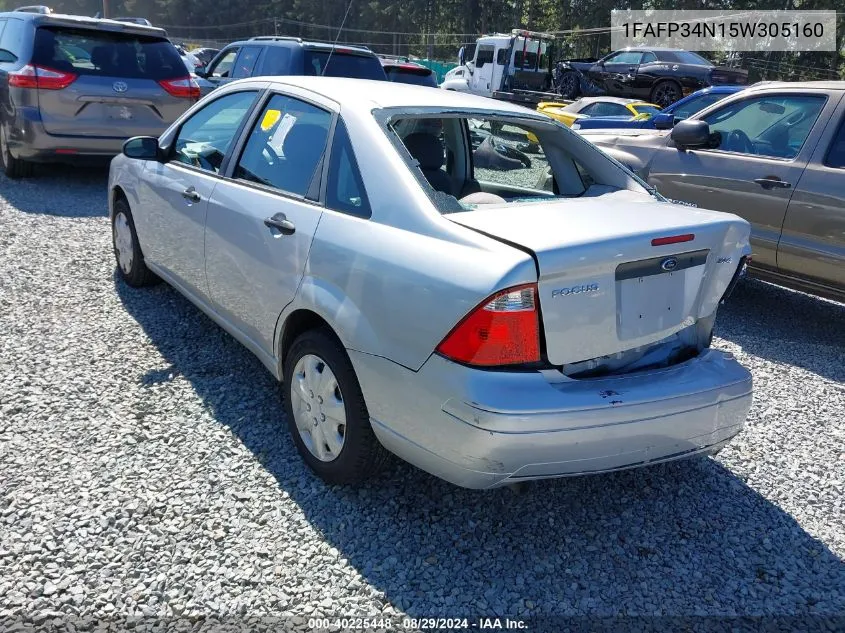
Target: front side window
x,y
484,55
836,154
246,62
286,145
774,126
223,67
204,139
345,188
625,57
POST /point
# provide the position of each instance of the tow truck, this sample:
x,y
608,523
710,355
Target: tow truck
x,y
514,67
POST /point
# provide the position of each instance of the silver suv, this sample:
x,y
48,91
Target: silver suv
x,y
74,88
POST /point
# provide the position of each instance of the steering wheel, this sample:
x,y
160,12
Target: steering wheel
x,y
511,152
738,141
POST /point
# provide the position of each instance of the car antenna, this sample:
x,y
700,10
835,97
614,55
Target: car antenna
x,y
342,22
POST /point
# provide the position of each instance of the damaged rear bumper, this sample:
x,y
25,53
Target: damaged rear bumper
x,y
482,429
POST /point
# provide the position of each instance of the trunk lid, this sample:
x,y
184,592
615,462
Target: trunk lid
x,y
604,287
116,92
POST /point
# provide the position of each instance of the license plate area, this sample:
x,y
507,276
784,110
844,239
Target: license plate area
x,y
120,112
657,294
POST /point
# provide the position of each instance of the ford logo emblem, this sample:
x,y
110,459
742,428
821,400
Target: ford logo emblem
x,y
120,86
669,264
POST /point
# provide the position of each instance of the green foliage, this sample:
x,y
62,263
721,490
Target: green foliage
x,y
438,28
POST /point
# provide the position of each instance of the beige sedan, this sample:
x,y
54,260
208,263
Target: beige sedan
x,y
773,154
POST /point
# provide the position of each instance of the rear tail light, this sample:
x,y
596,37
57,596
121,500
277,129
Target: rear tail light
x,y
31,76
502,330
182,87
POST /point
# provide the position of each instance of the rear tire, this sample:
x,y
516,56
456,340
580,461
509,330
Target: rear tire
x,y
12,167
666,92
127,250
320,387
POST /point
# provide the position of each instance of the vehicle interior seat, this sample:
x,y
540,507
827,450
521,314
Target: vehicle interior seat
x,y
102,57
427,150
303,147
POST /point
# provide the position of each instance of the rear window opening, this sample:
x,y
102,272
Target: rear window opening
x,y
472,162
341,64
89,52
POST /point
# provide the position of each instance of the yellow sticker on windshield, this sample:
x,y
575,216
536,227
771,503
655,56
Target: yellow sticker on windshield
x,y
271,117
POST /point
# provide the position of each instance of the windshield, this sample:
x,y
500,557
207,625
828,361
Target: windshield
x,y
465,162
89,52
343,65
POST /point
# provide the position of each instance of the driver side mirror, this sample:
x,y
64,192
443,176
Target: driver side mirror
x,y
691,134
142,148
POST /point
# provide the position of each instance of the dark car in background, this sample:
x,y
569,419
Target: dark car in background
x,y
204,55
75,88
408,72
659,75
664,119
276,55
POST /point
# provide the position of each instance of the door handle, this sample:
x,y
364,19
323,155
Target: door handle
x,y
773,182
280,221
190,194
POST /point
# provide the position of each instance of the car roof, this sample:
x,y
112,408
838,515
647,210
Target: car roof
x,y
81,21
779,85
366,94
288,42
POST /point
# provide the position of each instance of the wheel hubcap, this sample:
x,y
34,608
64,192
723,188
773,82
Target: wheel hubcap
x,y
318,409
123,243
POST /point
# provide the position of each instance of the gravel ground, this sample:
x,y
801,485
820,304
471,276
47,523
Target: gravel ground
x,y
145,470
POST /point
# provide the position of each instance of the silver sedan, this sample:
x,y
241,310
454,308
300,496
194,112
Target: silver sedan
x,y
386,253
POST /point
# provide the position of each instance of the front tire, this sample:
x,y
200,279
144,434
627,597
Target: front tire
x,y
326,413
570,85
127,250
12,167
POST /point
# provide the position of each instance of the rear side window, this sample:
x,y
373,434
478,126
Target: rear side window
x,y
286,145
97,53
276,61
246,62
345,189
342,65
836,155
12,36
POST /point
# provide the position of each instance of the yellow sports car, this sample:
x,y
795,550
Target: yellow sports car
x,y
568,113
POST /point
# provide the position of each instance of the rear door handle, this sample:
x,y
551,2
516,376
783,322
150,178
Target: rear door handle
x,y
280,221
773,182
190,194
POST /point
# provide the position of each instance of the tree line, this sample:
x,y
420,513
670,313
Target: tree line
x,y
438,28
